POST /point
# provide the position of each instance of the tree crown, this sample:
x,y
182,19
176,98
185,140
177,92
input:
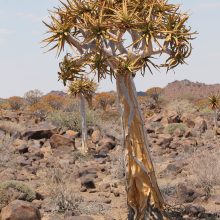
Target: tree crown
x,y
112,37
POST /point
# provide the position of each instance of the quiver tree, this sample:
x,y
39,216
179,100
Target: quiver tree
x,y
121,38
84,89
214,105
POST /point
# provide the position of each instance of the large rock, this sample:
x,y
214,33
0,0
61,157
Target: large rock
x,y
187,120
186,194
164,140
39,132
58,140
173,117
12,190
20,210
201,124
96,136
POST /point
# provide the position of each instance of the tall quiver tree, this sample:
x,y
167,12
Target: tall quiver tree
x,y
120,38
84,89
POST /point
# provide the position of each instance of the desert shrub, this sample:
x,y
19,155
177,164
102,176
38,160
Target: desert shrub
x,y
11,127
109,122
40,109
5,153
171,128
154,94
4,104
71,104
103,99
181,106
206,111
27,193
205,169
70,120
16,102
54,101
62,192
33,96
202,103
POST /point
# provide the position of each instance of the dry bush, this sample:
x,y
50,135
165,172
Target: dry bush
x,y
33,96
103,99
70,120
181,106
55,101
4,150
11,127
4,104
110,123
63,194
118,159
154,94
205,169
171,128
16,102
40,109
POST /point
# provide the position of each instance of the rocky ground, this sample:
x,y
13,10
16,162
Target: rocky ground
x,y
43,171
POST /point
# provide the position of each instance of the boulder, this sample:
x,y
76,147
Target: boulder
x,y
20,210
108,143
96,136
39,132
71,134
186,194
173,117
88,182
201,125
58,140
164,140
12,190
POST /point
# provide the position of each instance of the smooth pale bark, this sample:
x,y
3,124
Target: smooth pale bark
x,y
144,197
84,124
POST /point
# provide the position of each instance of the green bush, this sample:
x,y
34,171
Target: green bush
x,y
171,128
27,193
70,120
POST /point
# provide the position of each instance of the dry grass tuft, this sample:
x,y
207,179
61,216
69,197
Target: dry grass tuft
x,y
205,169
11,127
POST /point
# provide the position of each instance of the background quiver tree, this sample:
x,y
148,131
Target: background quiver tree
x,y
84,89
120,38
214,105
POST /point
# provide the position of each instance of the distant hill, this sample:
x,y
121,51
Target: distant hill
x,y
60,93
187,89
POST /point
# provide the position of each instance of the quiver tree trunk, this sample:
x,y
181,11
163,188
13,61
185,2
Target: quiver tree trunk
x,y
143,195
84,124
215,120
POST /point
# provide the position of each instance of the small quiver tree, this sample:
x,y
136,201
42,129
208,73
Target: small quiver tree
x,y
120,38
214,105
84,89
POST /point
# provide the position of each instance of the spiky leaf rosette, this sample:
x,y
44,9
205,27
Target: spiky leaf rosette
x,y
86,87
113,37
214,101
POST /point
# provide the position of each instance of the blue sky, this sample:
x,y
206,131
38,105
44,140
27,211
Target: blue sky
x,y
24,66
